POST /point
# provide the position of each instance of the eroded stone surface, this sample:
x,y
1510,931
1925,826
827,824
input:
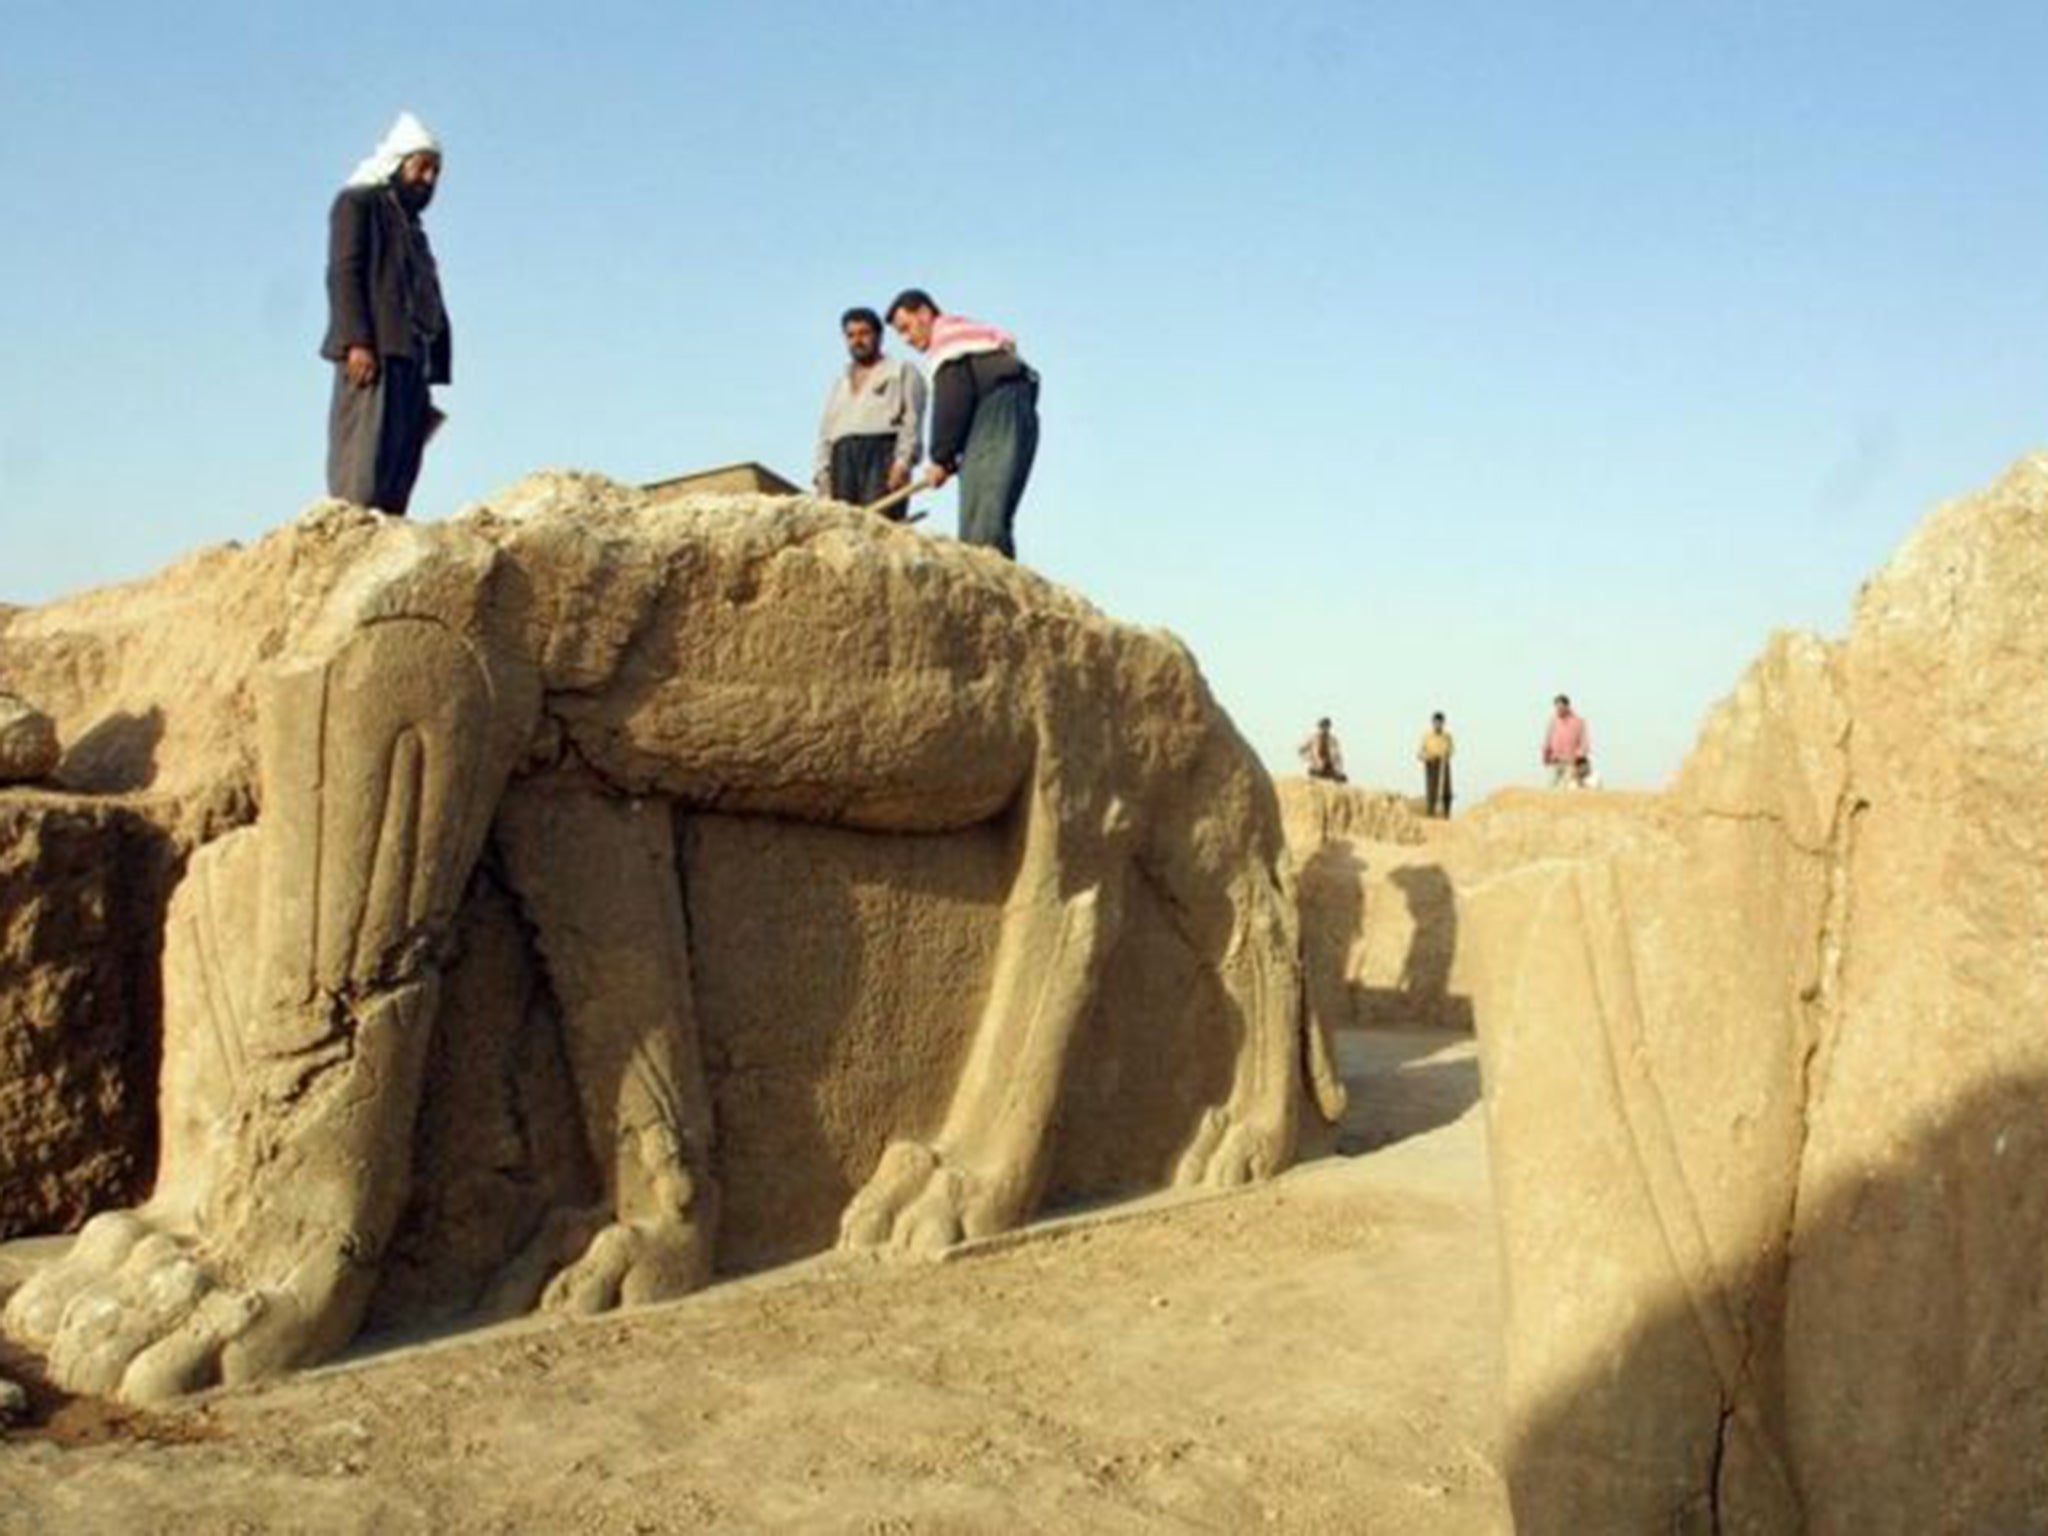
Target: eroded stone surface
x,y
83,885
1379,918
1917,1320
1767,1082
1643,1036
1315,811
28,742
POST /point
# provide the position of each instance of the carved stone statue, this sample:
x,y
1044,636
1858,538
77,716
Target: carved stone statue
x,y
553,681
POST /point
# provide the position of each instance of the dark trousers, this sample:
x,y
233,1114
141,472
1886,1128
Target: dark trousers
x,y
1436,786
377,436
1000,447
860,469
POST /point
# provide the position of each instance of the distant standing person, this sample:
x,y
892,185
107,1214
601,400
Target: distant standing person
x,y
869,438
387,330
1565,745
1323,757
1435,756
984,414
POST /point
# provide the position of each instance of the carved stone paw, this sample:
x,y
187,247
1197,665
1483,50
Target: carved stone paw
x,y
630,1263
132,1312
1229,1151
920,1202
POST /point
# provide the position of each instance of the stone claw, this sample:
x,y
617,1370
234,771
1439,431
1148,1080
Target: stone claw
x,y
102,1245
1228,1152
131,1312
920,1202
630,1263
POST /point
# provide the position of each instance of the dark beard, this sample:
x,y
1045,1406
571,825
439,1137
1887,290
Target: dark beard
x,y
413,196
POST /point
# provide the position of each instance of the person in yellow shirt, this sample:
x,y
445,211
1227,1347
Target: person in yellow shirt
x,y
1435,756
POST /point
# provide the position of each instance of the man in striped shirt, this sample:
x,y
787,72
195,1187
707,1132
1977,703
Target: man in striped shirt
x,y
984,414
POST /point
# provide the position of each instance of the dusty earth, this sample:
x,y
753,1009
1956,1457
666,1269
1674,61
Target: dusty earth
x,y
1317,1354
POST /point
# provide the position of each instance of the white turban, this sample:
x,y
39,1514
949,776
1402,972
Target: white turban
x,y
408,136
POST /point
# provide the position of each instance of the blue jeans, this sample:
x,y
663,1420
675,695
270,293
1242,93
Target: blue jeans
x,y
993,471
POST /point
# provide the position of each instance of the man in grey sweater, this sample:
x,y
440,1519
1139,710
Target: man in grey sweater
x,y
870,438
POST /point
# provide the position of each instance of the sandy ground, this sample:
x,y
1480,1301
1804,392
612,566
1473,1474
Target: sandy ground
x,y
1315,1355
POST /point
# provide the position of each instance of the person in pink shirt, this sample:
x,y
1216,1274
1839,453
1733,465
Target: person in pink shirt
x,y
984,424
1567,747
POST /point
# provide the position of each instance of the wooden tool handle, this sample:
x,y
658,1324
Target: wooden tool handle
x,y
896,499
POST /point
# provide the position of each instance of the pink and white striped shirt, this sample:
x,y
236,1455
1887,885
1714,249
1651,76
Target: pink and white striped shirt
x,y
960,336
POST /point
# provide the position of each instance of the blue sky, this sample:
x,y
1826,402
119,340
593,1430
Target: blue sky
x,y
1397,356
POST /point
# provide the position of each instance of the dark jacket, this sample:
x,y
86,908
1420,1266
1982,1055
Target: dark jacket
x,y
957,389
370,284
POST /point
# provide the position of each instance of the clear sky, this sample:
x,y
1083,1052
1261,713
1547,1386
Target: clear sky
x,y
1397,356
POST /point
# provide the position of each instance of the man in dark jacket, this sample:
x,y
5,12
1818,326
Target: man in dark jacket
x,y
387,332
984,414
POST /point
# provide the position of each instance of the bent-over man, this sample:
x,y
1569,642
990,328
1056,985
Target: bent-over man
x,y
869,437
387,331
984,414
1321,757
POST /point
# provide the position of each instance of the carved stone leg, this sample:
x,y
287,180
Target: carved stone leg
x,y
380,761
984,1169
209,988
1237,915
597,877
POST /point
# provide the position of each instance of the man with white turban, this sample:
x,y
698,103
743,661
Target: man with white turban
x,y
387,332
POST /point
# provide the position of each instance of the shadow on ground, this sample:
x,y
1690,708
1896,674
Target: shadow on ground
x,y
1403,1082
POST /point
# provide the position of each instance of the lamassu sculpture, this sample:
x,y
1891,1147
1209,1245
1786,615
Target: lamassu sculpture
x,y
550,682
